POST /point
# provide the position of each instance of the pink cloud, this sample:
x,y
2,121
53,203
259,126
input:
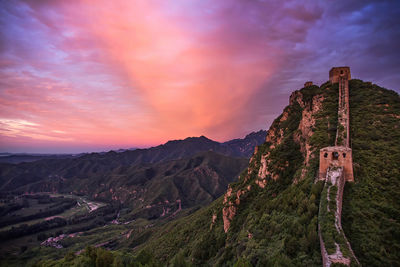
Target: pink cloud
x,y
132,73
175,82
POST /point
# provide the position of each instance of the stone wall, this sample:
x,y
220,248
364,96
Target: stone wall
x,y
343,253
336,167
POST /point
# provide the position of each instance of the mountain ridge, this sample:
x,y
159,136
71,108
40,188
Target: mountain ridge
x,y
240,147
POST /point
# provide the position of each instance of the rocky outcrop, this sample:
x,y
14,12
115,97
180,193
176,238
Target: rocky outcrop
x,y
231,202
229,210
302,136
294,127
261,166
305,130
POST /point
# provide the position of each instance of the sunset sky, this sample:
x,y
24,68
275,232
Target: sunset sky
x,y
81,76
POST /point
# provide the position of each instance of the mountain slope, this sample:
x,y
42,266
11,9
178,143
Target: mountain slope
x,y
270,214
151,187
245,147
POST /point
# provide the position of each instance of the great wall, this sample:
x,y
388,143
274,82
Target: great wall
x,y
335,168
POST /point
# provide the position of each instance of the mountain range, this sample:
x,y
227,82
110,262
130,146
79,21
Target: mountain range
x,y
197,202
194,171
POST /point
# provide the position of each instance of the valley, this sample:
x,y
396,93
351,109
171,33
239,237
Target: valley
x,y
108,200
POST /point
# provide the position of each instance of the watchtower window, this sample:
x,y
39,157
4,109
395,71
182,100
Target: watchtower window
x,y
335,155
325,155
344,155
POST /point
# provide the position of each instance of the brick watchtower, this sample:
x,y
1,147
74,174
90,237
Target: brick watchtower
x,y
336,72
340,154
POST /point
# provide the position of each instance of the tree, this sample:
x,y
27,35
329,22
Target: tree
x,y
104,258
242,263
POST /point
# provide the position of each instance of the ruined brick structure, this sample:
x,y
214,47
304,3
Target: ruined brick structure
x,y
340,154
337,72
342,76
307,84
336,156
336,167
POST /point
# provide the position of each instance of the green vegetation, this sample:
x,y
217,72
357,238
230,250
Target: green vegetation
x,y
99,257
33,207
327,221
371,207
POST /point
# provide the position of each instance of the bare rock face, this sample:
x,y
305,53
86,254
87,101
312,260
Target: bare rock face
x,y
229,210
305,132
228,213
296,96
275,136
213,219
231,202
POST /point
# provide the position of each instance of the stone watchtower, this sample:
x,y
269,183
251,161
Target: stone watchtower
x,y
339,155
337,72
308,84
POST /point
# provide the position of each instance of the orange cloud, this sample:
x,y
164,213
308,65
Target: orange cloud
x,y
190,79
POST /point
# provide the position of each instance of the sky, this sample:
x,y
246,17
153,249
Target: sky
x,y
80,76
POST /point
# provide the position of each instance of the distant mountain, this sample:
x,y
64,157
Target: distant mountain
x,y
174,149
26,157
177,149
149,187
195,170
245,147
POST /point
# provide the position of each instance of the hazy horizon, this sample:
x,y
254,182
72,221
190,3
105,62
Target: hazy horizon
x,y
102,149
